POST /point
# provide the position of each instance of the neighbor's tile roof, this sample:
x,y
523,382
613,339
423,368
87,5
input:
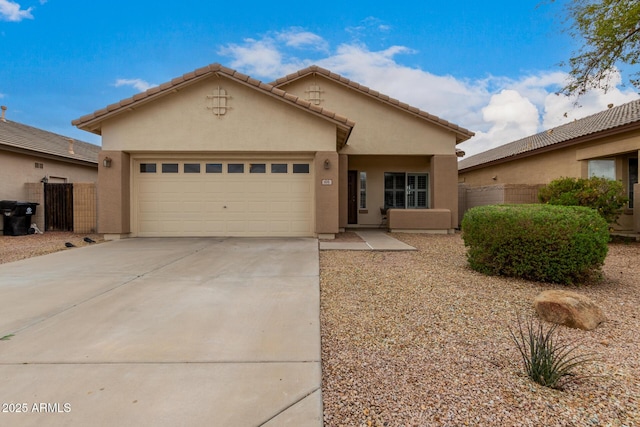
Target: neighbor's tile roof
x,y
91,121
462,133
613,119
18,137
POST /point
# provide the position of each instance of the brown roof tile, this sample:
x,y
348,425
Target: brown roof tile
x,y
20,137
462,133
91,122
616,118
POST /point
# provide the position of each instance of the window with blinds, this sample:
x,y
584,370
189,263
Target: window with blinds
x,y
406,190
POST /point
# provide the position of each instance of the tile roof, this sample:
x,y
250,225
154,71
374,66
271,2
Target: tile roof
x,y
462,133
613,120
18,137
91,122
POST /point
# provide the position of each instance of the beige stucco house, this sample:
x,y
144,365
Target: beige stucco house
x,y
217,153
55,171
603,144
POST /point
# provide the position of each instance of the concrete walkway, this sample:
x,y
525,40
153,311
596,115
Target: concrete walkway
x,y
373,240
163,332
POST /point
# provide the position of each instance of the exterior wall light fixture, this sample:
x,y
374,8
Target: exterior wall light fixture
x,y
327,164
106,162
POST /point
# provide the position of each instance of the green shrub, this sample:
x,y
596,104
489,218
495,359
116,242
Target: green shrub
x,y
546,359
559,244
604,195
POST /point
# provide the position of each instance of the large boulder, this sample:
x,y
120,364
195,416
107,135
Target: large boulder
x,y
569,309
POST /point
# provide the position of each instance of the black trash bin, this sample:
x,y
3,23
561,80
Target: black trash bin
x,y
17,217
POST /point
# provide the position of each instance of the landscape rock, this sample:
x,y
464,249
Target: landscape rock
x,y
569,309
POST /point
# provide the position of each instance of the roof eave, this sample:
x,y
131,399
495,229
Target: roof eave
x,y
94,125
557,146
50,156
461,133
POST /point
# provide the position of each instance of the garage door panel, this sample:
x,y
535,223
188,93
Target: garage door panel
x,y
299,207
279,207
223,204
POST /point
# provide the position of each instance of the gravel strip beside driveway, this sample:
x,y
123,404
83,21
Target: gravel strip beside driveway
x,y
419,339
14,248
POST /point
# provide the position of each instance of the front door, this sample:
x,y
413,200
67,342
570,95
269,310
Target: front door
x,y
353,197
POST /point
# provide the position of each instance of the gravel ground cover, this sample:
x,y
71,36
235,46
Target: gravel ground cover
x,y
14,248
420,339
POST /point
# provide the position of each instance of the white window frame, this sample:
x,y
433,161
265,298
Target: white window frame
x,y
363,190
409,190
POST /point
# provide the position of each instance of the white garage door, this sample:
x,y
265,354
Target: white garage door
x,y
223,198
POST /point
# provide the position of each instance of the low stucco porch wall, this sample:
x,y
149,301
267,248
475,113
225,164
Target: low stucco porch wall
x,y
420,220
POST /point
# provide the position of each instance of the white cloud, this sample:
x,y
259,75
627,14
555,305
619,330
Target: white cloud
x,y
11,11
138,84
300,39
498,109
258,58
510,115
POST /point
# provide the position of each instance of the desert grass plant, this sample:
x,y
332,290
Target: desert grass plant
x,y
547,360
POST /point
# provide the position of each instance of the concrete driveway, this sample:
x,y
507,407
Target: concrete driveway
x,y
163,332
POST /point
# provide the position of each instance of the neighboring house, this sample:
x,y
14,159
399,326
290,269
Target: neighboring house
x,y
603,144
217,153
54,171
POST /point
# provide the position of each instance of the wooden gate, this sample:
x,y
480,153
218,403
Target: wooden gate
x,y
58,207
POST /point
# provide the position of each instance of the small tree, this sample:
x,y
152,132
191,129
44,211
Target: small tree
x,y
609,31
604,195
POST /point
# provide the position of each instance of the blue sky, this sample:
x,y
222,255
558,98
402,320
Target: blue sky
x,y
491,67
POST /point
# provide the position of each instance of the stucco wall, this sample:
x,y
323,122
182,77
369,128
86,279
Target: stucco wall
x,y
20,179
420,220
543,168
540,169
114,194
444,170
375,167
380,128
17,169
327,190
182,122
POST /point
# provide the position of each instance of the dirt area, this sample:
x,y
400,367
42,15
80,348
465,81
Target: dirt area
x,y
14,248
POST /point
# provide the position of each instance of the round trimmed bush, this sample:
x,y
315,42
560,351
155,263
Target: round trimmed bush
x,y
546,243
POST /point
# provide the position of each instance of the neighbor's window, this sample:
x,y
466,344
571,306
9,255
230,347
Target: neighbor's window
x,y
235,168
213,168
169,168
257,168
633,179
191,168
363,190
602,168
147,168
278,168
406,190
301,168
